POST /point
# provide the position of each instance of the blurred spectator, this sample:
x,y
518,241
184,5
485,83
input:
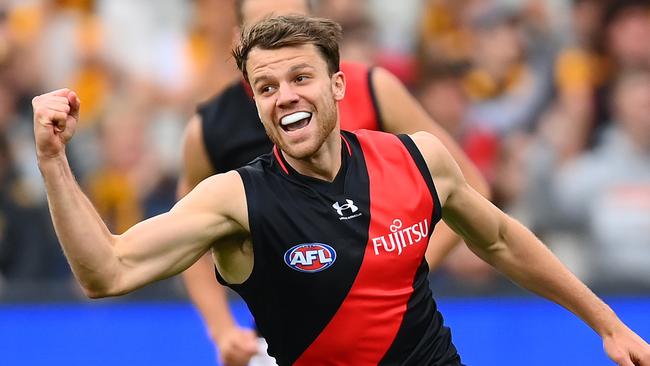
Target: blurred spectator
x,y
28,246
444,35
208,49
627,25
363,25
343,11
359,42
581,69
442,94
507,88
130,175
606,192
607,36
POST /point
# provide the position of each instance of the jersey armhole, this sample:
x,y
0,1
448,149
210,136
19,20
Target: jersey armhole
x,y
426,175
204,112
252,217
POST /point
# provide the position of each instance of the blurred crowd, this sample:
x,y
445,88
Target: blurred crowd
x,y
549,98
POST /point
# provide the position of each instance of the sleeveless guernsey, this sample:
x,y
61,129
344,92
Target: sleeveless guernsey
x,y
339,274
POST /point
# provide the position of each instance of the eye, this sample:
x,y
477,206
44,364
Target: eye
x,y
266,89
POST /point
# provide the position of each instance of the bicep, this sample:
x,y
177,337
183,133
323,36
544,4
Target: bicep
x,y
167,244
196,165
466,211
472,216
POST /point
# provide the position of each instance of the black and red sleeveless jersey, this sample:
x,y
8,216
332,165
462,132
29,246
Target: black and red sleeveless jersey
x,y
233,134
339,274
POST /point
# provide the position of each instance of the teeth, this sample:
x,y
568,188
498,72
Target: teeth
x,y
294,117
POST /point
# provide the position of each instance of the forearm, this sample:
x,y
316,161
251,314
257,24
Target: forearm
x,y
208,296
528,262
85,239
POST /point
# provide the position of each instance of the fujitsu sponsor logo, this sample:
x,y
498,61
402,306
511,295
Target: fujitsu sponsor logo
x,y
401,237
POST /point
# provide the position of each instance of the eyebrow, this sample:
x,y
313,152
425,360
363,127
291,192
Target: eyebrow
x,y
260,79
294,68
303,65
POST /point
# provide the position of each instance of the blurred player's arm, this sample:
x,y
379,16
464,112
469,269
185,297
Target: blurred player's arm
x,y
402,113
515,251
236,345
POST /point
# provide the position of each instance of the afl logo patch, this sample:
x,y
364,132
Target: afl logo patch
x,y
310,257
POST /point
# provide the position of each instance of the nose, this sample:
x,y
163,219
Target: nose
x,y
286,96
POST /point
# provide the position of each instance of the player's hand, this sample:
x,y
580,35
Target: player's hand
x,y
626,348
55,118
237,346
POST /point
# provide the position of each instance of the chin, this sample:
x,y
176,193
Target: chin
x,y
300,151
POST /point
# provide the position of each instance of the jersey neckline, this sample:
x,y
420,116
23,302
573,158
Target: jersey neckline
x,y
339,180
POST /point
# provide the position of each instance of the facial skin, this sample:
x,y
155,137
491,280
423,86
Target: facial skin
x,y
632,102
255,10
290,80
627,38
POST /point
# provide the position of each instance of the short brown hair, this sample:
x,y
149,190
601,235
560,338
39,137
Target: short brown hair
x,y
291,31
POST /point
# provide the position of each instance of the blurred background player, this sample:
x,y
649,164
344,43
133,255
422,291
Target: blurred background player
x,y
226,133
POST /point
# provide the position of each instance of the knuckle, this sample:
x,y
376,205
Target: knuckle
x,y
40,111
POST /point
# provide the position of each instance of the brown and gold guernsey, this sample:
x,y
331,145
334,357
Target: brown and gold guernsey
x,y
339,274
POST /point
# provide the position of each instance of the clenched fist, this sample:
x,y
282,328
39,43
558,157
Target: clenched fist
x,y
55,118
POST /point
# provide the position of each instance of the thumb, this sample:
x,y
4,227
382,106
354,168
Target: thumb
x,y
75,104
623,360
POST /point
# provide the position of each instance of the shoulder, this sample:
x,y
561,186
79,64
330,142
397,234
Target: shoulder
x,y
382,78
442,166
221,194
259,165
218,185
226,96
428,144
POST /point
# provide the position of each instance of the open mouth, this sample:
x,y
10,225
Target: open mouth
x,y
295,121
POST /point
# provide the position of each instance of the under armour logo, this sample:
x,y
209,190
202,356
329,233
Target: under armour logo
x,y
346,206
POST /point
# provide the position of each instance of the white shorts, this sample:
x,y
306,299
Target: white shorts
x,y
262,358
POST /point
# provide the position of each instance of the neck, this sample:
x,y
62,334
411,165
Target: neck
x,y
324,163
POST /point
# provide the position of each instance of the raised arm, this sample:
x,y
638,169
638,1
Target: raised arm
x,y
107,264
515,251
401,113
236,345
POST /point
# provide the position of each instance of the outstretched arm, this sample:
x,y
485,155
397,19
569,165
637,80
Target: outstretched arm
x,y
106,264
236,345
401,113
515,251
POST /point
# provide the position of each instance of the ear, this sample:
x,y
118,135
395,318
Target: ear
x,y
338,85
